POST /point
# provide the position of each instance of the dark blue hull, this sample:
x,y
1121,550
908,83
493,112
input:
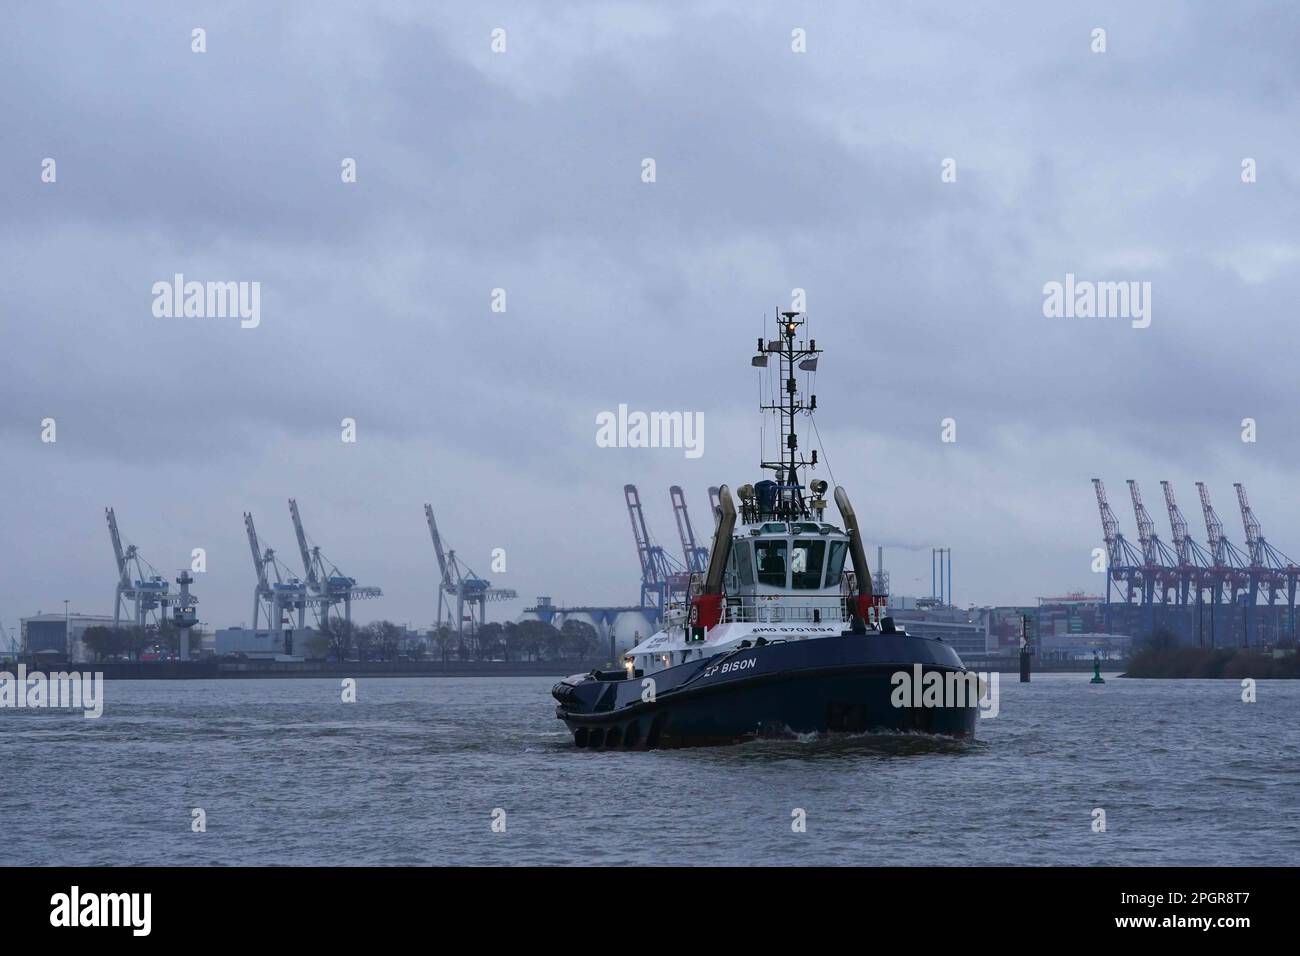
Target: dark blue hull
x,y
829,685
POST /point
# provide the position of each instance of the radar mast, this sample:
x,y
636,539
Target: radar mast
x,y
793,356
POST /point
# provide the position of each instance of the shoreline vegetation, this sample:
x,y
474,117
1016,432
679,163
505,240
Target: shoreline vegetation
x,y
1232,663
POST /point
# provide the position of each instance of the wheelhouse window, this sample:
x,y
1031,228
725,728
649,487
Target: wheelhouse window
x,y
771,561
806,560
744,563
835,564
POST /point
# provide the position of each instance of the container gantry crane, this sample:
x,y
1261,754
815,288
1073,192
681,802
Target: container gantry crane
x,y
1226,575
460,580
663,580
324,580
697,558
1193,561
138,582
1269,568
273,599
1123,563
1218,574
1158,562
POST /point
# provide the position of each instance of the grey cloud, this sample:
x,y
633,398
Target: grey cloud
x,y
775,171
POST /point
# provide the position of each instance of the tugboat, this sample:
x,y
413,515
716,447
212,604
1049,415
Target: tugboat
x,y
776,637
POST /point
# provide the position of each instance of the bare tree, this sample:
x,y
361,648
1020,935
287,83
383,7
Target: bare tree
x,y
388,639
365,638
339,634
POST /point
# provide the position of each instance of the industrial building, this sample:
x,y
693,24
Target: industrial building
x,y
1070,614
965,631
266,644
60,636
1063,626
1060,648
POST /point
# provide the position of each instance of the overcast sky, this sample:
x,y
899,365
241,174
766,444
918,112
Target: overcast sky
x,y
522,170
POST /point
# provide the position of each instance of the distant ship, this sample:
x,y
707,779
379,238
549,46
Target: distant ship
x,y
777,638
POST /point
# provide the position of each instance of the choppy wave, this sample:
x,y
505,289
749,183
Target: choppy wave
x,y
416,771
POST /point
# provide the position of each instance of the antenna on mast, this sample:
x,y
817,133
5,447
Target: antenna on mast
x,y
793,356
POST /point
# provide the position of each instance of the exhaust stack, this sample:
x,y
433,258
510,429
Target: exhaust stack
x,y
721,549
860,569
706,607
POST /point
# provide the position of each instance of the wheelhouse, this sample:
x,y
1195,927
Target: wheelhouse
x,y
779,557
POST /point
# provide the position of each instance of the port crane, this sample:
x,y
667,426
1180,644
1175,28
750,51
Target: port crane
x,y
1192,559
1269,567
1157,559
697,558
138,583
1123,562
1227,562
273,598
325,582
1214,570
663,580
461,581
1225,574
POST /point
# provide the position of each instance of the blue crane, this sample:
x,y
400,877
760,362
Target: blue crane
x,y
325,582
461,581
697,558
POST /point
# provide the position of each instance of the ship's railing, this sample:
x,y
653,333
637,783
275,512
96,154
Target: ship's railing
x,y
764,609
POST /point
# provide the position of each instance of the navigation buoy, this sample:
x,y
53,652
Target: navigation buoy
x,y
1026,650
1096,671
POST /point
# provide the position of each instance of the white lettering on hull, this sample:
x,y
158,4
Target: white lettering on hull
x,y
730,667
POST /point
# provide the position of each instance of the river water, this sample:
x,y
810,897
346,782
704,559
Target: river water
x,y
417,769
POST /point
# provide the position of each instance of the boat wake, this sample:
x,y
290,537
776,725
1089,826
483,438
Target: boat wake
x,y
883,743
